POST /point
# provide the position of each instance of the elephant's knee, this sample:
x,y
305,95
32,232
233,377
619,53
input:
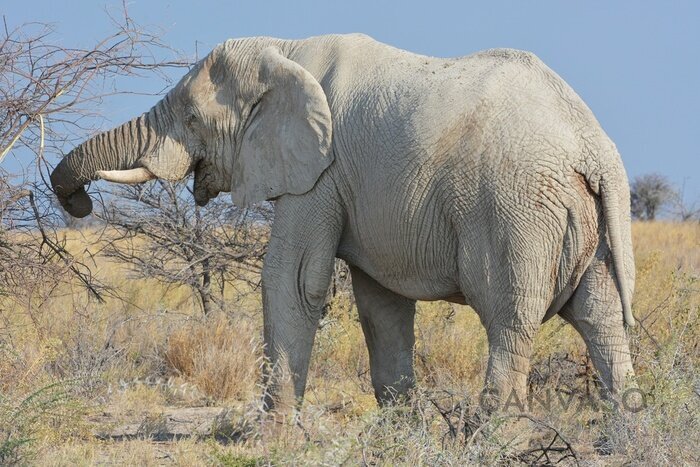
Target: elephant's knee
x,y
313,283
304,287
315,291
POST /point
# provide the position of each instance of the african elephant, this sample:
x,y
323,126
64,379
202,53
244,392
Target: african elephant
x,y
482,180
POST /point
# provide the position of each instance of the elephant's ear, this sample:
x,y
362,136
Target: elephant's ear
x,y
286,142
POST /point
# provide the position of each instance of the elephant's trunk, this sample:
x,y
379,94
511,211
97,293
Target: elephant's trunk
x,y
116,149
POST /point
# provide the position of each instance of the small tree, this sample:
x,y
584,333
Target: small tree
x,y
162,234
649,193
50,95
683,209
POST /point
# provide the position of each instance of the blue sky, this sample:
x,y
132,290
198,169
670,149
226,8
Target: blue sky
x,y
635,63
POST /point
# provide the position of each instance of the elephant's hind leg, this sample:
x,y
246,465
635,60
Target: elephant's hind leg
x,y
387,322
511,302
511,330
595,311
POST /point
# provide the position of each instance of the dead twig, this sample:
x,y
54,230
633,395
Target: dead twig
x,y
61,252
543,451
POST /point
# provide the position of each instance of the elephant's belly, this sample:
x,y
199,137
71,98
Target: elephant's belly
x,y
411,265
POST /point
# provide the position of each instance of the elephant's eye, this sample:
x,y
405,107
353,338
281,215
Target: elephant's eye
x,y
191,121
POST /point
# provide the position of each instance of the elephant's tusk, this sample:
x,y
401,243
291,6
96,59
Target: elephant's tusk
x,y
130,176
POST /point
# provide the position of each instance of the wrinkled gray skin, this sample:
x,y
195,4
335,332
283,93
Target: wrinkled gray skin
x,y
482,180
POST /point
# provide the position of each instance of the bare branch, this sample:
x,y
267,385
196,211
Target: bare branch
x,y
49,99
61,84
165,236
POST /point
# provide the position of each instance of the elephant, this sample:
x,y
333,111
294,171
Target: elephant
x,y
482,180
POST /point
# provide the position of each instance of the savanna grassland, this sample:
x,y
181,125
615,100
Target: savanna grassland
x,y
83,382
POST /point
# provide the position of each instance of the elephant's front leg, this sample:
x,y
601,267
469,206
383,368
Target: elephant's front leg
x,y
295,280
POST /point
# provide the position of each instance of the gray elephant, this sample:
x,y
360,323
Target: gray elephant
x,y
482,180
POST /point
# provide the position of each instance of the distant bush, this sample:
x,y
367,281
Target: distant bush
x,y
648,194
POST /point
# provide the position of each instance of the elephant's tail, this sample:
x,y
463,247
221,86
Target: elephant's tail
x,y
610,196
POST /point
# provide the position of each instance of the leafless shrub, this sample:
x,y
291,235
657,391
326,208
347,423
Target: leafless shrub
x,y
86,352
34,262
683,209
49,97
50,94
160,233
444,428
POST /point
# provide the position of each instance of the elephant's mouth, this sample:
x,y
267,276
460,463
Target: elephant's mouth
x,y
205,188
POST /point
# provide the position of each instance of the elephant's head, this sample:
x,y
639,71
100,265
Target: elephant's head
x,y
246,119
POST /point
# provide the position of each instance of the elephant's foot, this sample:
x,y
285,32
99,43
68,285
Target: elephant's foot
x,y
288,425
279,397
395,392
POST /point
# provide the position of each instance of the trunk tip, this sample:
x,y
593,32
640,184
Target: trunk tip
x,y
77,204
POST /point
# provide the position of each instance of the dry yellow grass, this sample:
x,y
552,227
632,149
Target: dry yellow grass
x,y
677,245
219,357
153,349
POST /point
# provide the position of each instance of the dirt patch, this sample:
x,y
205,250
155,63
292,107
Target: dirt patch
x,y
172,424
